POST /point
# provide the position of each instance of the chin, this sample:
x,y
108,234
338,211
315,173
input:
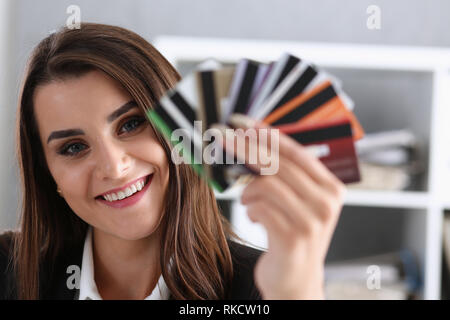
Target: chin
x,y
135,231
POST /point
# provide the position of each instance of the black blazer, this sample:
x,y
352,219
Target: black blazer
x,y
54,287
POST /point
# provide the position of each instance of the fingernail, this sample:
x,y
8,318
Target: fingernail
x,y
241,121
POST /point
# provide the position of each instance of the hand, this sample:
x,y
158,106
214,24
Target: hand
x,y
299,206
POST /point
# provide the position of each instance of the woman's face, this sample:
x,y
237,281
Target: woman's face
x,y
98,142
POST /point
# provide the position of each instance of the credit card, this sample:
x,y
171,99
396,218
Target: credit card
x,y
320,104
247,73
290,94
291,86
275,76
332,143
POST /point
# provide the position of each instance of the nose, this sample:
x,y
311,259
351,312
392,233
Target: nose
x,y
112,160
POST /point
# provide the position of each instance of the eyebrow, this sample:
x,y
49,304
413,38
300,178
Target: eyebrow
x,y
77,132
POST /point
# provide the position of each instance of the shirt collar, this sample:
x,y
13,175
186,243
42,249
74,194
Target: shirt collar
x,y
88,288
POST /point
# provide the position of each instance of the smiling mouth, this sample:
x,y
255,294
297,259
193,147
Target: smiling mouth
x,y
127,192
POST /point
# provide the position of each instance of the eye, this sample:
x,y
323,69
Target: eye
x,y
132,124
72,149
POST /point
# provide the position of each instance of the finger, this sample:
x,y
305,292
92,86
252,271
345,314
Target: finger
x,y
270,189
242,145
317,198
278,229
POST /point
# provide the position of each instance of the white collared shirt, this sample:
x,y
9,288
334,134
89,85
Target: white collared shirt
x,y
88,287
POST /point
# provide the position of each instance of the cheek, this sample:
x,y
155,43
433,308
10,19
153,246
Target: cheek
x,y
154,154
151,151
71,179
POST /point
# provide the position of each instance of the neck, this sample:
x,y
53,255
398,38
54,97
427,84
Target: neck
x,y
125,269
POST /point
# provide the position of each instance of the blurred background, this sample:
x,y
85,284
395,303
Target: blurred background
x,y
395,221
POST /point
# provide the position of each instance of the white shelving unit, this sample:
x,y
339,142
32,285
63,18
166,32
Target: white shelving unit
x,y
434,61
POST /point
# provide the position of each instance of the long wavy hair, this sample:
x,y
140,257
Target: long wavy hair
x,y
195,233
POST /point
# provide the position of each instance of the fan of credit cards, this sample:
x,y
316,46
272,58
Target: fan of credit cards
x,y
290,94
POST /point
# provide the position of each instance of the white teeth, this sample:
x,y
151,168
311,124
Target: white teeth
x,y
121,195
125,193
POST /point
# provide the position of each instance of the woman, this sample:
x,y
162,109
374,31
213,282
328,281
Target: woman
x,y
83,140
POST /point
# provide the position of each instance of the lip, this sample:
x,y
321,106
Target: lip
x,y
126,202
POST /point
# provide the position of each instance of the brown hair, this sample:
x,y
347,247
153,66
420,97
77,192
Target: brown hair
x,y
194,231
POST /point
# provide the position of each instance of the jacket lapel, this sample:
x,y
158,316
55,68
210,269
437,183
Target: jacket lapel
x,y
54,280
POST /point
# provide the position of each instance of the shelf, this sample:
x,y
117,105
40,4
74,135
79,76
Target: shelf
x,y
388,199
344,55
364,198
446,205
429,67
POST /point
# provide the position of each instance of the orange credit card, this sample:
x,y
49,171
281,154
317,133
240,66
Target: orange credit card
x,y
314,106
